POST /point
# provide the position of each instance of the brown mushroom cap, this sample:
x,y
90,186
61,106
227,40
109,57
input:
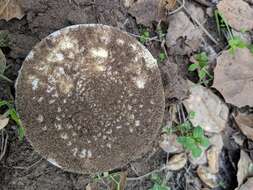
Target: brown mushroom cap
x,y
90,97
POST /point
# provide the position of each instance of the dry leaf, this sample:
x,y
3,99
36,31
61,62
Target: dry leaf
x,y
233,77
211,112
3,121
207,177
248,185
239,138
147,11
213,159
175,86
10,9
238,14
181,27
169,143
243,168
245,123
177,162
217,141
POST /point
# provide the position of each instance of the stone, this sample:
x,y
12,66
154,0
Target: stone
x,y
91,98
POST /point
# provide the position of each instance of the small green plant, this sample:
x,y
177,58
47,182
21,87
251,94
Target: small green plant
x,y
191,137
13,115
145,36
110,177
159,184
200,65
234,42
162,57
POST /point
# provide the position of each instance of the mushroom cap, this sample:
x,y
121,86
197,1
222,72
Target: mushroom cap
x,y
90,98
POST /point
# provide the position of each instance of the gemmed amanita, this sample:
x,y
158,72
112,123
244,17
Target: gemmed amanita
x,y
90,97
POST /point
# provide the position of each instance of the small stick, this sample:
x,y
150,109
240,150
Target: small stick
x,y
4,144
146,175
199,24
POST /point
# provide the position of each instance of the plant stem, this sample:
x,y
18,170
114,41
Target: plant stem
x,y
5,78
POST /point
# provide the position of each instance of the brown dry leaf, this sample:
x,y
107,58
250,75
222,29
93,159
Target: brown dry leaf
x,y
238,14
213,159
182,28
211,112
169,144
175,86
244,166
207,177
147,11
233,77
248,185
10,9
3,121
217,141
245,123
177,162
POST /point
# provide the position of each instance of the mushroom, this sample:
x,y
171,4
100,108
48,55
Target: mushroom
x,y
90,97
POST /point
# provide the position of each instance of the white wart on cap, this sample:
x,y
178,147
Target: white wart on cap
x,y
90,97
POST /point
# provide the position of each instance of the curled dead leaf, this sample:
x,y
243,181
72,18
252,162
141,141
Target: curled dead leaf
x,y
10,9
243,168
213,159
147,11
3,121
207,177
177,162
245,123
169,144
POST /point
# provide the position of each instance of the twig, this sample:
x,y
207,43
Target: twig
x,y
146,175
27,167
5,78
5,5
199,24
155,38
178,9
4,141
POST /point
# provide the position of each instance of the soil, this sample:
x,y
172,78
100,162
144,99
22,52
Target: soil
x,y
24,169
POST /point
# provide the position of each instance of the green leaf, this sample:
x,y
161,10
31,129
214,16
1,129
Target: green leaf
x,y
235,43
159,187
156,178
193,67
198,133
187,142
196,152
21,133
162,56
202,59
4,103
204,142
191,115
202,74
184,127
2,62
